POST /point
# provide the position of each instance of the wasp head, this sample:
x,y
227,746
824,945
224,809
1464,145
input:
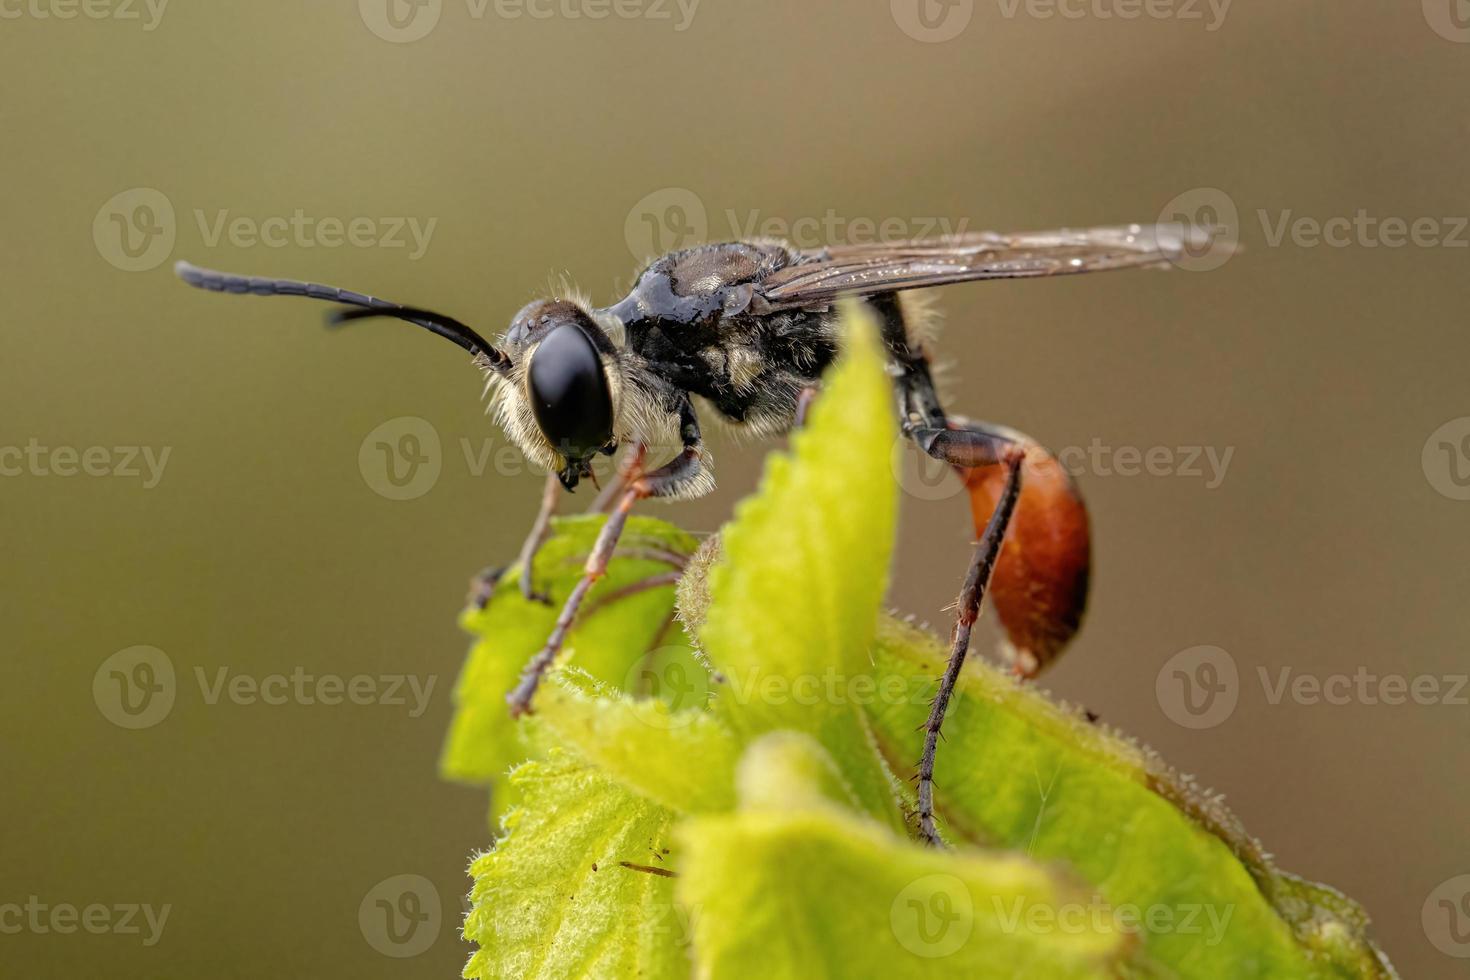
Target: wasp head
x,y
559,402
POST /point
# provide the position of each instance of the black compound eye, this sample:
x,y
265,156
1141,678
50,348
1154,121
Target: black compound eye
x,y
569,394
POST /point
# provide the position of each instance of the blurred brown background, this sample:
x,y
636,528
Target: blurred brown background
x,y
1333,541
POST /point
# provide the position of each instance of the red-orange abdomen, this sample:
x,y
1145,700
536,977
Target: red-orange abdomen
x,y
1039,587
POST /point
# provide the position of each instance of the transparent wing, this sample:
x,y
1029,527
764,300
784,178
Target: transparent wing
x,y
821,276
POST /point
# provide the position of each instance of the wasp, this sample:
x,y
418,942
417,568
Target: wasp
x,y
745,330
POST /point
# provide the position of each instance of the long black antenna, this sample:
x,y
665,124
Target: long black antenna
x,y
445,326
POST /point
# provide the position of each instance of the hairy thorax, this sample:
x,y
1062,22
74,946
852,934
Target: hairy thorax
x,y
691,317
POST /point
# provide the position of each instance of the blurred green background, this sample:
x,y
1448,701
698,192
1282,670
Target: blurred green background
x,y
542,147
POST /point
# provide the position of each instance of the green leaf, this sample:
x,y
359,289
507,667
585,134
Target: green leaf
x,y
556,898
609,640
792,607
779,772
1018,771
684,759
796,885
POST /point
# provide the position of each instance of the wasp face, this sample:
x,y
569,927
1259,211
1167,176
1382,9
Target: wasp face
x,y
566,382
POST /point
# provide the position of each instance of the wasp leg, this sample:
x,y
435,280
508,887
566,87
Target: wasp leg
x,y
1038,583
804,404
667,480
987,550
483,585
550,494
628,466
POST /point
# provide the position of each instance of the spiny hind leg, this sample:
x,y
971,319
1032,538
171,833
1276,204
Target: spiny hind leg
x,y
1037,577
982,564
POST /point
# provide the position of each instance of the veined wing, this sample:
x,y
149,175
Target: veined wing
x,y
819,277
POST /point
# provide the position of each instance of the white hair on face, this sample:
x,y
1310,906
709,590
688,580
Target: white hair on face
x,y
506,402
639,415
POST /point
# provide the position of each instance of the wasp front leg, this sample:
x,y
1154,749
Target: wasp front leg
x,y
483,585
682,476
